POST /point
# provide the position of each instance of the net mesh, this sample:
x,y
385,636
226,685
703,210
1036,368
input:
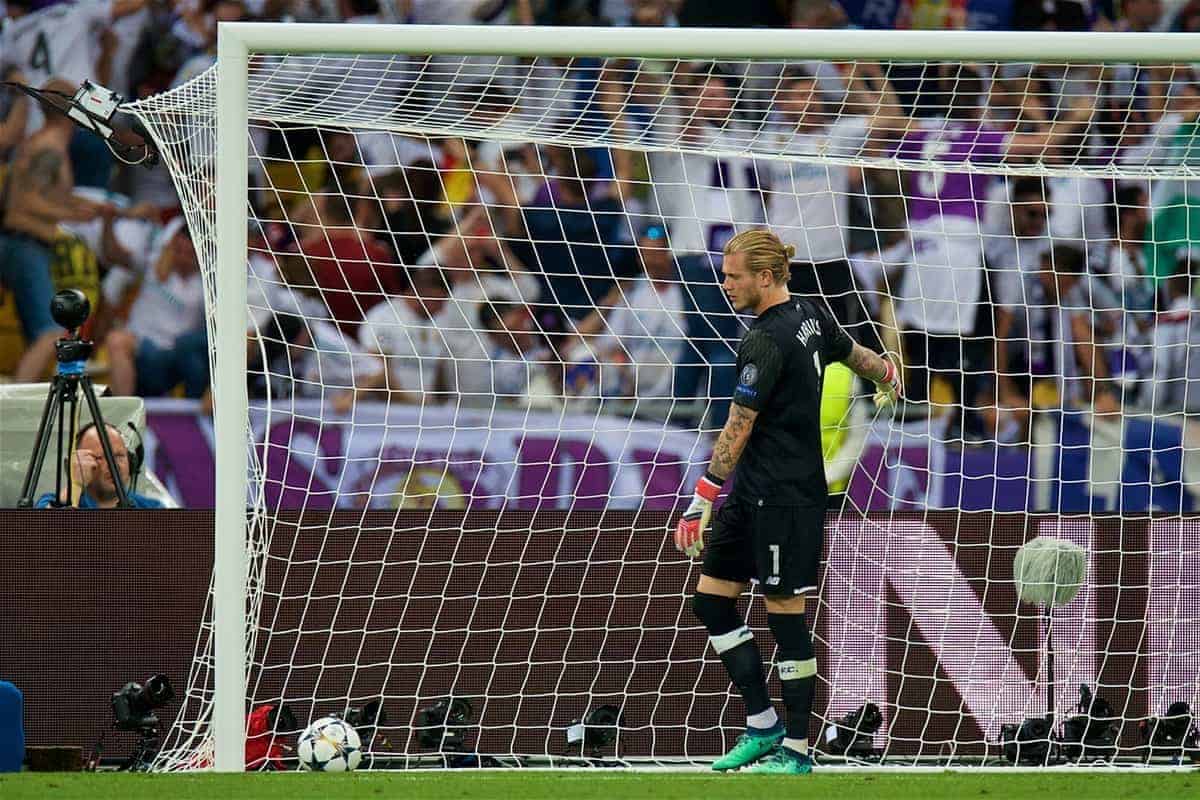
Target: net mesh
x,y
489,352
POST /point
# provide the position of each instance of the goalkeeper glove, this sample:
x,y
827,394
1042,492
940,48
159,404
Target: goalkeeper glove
x,y
689,533
889,388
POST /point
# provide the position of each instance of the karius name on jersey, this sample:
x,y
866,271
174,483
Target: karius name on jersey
x,y
808,329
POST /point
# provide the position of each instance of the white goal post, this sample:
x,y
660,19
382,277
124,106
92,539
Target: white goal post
x,y
239,42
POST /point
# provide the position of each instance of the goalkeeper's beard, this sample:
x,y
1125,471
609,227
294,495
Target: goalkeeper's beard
x,y
745,303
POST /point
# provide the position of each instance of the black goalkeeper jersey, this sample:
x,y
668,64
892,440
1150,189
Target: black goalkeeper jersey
x,y
781,363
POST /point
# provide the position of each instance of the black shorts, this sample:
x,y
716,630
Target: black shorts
x,y
777,546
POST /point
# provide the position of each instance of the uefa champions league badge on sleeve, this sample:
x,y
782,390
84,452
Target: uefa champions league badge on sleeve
x,y
746,380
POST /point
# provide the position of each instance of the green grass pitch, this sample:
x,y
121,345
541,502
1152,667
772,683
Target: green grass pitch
x,y
606,785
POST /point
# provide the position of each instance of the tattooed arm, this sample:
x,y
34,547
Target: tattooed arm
x,y
866,364
39,187
732,441
878,369
760,363
689,531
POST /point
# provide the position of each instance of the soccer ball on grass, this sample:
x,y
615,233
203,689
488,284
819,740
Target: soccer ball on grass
x,y
329,745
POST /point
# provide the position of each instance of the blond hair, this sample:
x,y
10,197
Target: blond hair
x,y
763,251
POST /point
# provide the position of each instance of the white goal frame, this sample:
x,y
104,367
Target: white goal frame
x,y
237,41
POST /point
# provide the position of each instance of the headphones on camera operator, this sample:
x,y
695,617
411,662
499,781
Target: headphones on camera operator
x,y
135,449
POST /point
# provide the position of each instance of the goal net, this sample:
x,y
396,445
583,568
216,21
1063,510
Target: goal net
x,y
486,353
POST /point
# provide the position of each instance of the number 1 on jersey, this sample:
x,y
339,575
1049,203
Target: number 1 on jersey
x,y
817,363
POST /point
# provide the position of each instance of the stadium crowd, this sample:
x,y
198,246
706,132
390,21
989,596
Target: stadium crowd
x,y
451,270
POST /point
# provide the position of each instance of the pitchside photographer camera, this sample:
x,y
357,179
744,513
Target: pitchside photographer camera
x,y
1030,743
599,728
443,727
852,735
367,720
133,707
70,309
1091,735
1172,736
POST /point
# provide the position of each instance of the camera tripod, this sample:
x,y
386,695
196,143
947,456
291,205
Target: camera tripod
x,y
70,308
142,757
144,753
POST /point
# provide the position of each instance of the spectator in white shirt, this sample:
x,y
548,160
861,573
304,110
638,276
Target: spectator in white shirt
x,y
1127,270
1066,341
637,336
63,40
1013,260
330,365
163,342
515,367
1015,257
1175,387
409,332
808,203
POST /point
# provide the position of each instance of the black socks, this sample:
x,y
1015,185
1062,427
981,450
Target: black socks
x,y
797,670
735,644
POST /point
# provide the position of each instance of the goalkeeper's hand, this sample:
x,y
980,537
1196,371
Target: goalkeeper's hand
x,y
889,389
689,533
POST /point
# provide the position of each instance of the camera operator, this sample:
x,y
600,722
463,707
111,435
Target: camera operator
x,y
92,483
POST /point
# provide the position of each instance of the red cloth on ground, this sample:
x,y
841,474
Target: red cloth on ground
x,y
263,748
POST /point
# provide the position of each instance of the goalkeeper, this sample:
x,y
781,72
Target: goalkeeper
x,y
770,528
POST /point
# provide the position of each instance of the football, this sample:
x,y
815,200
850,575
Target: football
x,y
329,745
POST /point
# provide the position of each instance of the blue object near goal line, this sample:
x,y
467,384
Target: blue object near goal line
x,y
12,728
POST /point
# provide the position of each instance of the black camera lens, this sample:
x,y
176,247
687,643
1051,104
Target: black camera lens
x,y
133,705
158,690
70,308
